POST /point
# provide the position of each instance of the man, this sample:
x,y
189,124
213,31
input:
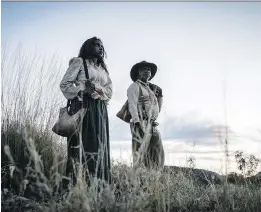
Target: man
x,y
144,108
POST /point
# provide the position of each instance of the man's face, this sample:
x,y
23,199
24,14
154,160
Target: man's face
x,y
144,73
98,48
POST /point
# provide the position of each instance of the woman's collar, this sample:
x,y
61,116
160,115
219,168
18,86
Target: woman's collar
x,y
90,62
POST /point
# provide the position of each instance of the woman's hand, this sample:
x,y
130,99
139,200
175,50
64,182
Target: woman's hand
x,y
89,84
100,91
90,87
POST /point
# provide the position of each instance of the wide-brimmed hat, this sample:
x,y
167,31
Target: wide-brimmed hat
x,y
135,69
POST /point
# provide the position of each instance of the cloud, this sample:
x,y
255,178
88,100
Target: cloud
x,y
193,129
177,130
190,128
186,127
173,128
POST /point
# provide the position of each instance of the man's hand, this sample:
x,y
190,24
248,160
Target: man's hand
x,y
155,124
138,129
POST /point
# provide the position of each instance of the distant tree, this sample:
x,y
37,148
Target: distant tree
x,y
191,162
247,165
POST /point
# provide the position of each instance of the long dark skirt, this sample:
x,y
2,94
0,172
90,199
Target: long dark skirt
x,y
95,140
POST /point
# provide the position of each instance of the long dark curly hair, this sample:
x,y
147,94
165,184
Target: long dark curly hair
x,y
86,52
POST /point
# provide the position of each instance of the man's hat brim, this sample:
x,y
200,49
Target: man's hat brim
x,y
135,69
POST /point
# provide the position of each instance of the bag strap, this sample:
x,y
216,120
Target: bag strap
x,y
85,69
86,75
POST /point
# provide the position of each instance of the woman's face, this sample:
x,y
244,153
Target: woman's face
x,y
144,74
98,48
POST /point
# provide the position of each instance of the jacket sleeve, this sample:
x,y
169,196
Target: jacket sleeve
x,y
67,85
133,96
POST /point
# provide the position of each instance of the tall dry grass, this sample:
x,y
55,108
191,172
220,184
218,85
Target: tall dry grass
x,y
29,104
33,156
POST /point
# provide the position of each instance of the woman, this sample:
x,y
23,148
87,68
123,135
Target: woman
x,y
93,94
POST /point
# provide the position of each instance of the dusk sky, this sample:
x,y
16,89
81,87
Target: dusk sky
x,y
208,57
